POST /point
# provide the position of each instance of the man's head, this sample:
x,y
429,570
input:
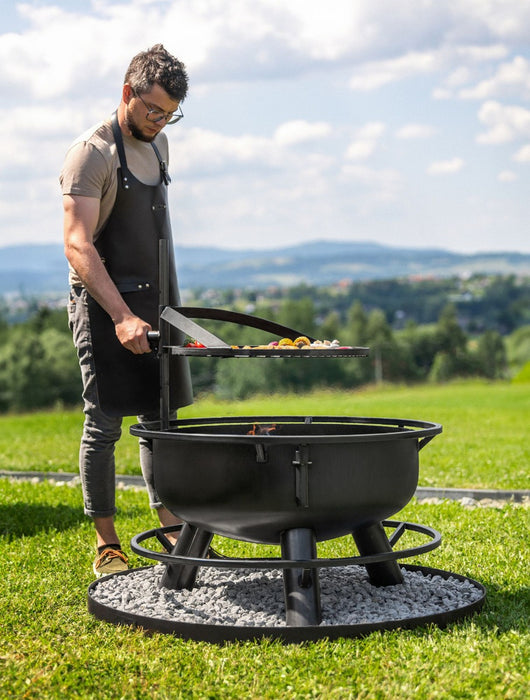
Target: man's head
x,y
156,65
154,86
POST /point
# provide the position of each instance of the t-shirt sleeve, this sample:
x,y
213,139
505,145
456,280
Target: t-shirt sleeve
x,y
84,172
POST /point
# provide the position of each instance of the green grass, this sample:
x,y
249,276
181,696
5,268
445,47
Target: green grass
x,y
51,647
482,444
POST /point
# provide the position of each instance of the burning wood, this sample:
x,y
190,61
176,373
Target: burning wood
x,y
258,429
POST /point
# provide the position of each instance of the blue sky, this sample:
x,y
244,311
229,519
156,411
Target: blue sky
x,y
404,122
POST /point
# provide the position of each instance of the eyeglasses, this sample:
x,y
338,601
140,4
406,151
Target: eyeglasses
x,y
156,115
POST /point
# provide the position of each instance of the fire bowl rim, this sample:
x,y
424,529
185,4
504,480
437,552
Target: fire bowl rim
x,y
404,428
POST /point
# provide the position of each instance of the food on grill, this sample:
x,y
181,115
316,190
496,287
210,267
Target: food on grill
x,y
326,344
301,341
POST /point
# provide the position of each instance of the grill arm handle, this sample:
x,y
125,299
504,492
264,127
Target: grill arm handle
x,y
153,338
240,319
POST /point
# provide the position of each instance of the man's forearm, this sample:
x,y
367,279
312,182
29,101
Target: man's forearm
x,y
130,329
92,272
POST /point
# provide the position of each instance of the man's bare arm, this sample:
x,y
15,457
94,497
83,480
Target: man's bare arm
x,y
80,221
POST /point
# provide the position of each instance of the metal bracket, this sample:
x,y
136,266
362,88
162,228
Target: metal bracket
x,y
301,463
261,453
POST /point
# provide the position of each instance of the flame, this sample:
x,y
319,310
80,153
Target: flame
x,y
258,429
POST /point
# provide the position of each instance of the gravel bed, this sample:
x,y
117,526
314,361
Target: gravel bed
x,y
254,598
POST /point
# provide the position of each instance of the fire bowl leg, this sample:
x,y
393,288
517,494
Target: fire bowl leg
x,y
192,542
372,539
301,586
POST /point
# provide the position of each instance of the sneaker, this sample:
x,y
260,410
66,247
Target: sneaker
x,y
110,561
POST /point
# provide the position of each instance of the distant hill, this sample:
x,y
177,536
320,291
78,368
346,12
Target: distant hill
x,y
37,269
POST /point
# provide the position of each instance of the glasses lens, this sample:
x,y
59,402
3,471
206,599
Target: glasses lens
x,y
176,117
154,116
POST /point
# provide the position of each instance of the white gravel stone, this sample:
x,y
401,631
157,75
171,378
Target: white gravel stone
x,y
255,598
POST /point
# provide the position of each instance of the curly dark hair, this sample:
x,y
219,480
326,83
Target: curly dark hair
x,y
156,65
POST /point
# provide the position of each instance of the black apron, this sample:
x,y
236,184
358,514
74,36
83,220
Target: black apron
x,y
129,384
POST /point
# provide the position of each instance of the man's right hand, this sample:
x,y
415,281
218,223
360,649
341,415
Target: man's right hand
x,y
132,334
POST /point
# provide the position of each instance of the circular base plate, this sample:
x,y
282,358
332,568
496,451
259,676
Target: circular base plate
x,y
219,633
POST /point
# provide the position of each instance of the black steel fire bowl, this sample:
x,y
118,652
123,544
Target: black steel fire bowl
x,y
254,478
291,481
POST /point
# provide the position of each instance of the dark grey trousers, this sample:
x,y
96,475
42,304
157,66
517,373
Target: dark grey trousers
x,y
97,466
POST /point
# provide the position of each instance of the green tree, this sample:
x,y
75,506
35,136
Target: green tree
x,y
518,347
452,358
450,338
491,355
242,378
443,367
330,327
356,325
37,370
391,355
420,346
299,315
25,382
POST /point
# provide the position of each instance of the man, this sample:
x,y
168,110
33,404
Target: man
x,y
114,181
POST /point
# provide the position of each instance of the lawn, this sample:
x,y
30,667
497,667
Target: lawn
x,y
481,445
51,647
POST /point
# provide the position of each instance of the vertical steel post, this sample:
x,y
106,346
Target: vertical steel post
x,y
301,586
164,331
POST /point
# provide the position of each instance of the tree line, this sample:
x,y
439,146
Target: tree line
x,y
437,352
38,365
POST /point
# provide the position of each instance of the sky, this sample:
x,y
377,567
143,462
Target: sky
x,y
400,122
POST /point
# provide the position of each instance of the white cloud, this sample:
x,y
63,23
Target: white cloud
x,y
512,79
366,141
204,152
300,131
385,184
445,167
508,20
374,75
415,131
505,122
507,176
294,165
523,154
482,53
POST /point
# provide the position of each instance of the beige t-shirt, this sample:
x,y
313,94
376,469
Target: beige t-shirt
x,y
91,165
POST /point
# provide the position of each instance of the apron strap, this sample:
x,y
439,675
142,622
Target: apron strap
x,y
124,170
163,166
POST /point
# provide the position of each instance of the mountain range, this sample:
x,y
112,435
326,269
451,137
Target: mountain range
x,y
40,269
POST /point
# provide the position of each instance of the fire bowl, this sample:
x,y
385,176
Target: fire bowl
x,y
254,478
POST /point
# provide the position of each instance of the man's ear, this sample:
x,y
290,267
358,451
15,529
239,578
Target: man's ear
x,y
127,93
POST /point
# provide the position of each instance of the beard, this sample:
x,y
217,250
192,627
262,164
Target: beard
x,y
135,130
